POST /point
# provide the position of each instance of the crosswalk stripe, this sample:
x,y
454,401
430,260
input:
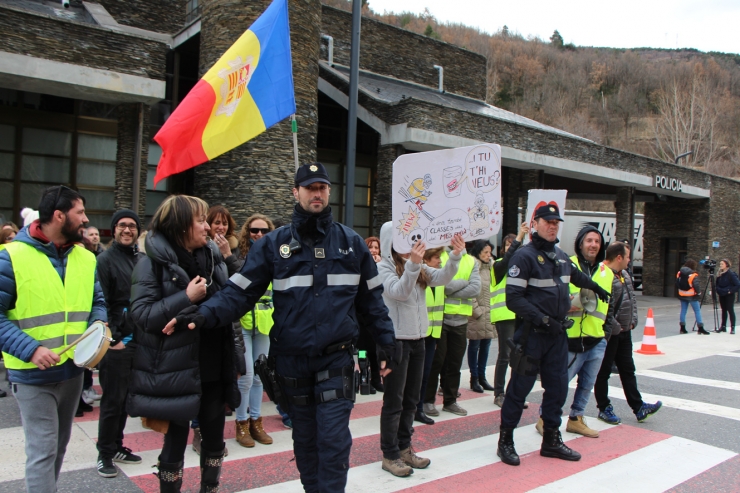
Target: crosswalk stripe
x,y
654,468
673,377
683,404
283,441
447,461
731,355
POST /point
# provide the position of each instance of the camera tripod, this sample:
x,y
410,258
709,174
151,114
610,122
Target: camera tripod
x,y
711,284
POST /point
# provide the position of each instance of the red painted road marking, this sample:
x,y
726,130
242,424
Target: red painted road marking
x,y
536,471
264,470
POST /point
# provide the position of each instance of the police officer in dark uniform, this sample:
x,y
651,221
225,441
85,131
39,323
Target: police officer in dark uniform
x,y
323,279
537,292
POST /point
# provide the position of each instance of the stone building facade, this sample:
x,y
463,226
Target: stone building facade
x,y
144,56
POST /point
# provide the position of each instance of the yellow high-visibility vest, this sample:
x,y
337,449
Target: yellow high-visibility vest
x,y
435,310
460,306
52,312
499,311
591,324
261,314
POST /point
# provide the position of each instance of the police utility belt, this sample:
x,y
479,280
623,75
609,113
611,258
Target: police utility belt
x,y
522,363
275,384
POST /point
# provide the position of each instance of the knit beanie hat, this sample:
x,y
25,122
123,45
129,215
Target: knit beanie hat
x,y
120,214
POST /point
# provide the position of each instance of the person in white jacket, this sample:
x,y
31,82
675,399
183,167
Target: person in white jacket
x,y
405,279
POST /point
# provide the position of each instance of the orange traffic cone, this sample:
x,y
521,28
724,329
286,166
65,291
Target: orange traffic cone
x,y
649,338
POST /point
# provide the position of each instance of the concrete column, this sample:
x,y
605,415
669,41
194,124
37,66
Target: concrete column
x,y
128,123
258,176
382,197
510,200
623,206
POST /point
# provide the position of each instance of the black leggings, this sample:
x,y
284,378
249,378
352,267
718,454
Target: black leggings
x,y
727,302
212,421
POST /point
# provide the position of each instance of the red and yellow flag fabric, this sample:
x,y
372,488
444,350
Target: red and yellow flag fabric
x,y
248,90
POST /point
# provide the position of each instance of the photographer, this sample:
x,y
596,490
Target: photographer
x,y
537,292
689,292
727,285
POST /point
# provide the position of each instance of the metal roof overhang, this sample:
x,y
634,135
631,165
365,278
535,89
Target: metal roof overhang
x,y
417,139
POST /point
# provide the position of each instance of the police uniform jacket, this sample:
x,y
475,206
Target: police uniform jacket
x,y
538,286
318,291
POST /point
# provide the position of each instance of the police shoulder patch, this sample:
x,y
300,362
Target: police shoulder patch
x,y
513,271
540,259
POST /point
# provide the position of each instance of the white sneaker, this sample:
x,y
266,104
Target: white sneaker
x,y
90,396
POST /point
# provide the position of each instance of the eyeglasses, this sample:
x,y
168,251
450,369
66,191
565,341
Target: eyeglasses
x,y
254,231
124,227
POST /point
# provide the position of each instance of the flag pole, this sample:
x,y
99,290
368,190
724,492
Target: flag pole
x,y
294,129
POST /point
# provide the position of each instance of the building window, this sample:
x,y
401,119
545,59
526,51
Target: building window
x,y
154,197
96,178
192,11
363,211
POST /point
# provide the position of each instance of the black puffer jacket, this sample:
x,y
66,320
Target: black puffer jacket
x,y
115,266
166,377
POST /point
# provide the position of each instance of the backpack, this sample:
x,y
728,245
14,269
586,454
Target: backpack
x,y
682,281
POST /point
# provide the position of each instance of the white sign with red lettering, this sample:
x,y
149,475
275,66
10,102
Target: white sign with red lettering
x,y
538,198
438,194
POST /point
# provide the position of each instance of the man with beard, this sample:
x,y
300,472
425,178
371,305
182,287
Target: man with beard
x,y
323,279
48,298
115,266
537,292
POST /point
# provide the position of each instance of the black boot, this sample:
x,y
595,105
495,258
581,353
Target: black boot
x,y
210,470
553,446
484,383
683,329
475,386
701,331
506,449
170,477
722,329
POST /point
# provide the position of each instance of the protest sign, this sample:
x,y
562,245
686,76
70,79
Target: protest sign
x,y
438,194
537,198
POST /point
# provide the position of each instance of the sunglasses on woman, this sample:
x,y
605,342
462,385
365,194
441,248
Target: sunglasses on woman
x,y
254,231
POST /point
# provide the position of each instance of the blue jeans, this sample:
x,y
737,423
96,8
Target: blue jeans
x,y
250,385
586,366
685,307
478,356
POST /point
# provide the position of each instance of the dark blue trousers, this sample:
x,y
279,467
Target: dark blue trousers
x,y
321,437
552,351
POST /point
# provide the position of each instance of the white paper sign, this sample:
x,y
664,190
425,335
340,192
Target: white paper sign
x,y
537,198
438,194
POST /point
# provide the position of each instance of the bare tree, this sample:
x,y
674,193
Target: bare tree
x,y
687,121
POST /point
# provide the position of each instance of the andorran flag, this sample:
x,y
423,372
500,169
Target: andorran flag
x,y
246,92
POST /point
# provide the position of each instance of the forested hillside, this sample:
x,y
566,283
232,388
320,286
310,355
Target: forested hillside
x,y
655,102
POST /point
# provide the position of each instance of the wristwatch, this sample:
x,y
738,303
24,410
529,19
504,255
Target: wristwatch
x,y
545,320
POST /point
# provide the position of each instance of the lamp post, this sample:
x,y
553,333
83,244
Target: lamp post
x,y
682,155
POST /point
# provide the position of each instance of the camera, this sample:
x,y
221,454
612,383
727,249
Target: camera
x,y
65,3
709,264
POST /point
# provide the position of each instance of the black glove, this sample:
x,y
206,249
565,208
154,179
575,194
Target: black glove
x,y
602,293
189,315
391,354
554,327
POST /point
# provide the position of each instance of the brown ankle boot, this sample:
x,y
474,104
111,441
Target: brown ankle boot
x,y
243,437
257,432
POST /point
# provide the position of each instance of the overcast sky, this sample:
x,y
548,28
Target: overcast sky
x,y
708,25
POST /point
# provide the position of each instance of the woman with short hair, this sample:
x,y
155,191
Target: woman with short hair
x,y
180,375
480,328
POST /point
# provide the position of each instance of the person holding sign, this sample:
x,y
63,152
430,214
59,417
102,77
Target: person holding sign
x,y
405,279
537,292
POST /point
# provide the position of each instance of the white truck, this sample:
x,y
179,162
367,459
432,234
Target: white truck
x,y
606,223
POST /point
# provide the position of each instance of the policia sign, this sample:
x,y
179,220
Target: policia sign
x,y
668,183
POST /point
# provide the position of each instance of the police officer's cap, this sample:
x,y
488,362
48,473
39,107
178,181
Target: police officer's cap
x,y
311,173
548,212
